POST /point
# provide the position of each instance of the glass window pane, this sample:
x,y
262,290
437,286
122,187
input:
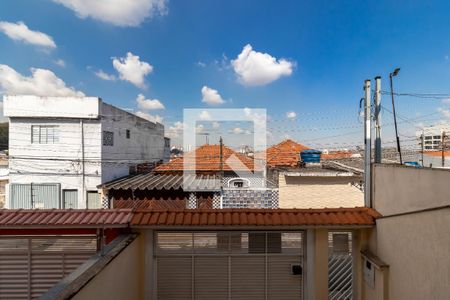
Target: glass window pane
x,y
239,242
211,242
291,242
174,242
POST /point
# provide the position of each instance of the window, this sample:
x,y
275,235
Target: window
x,y
437,136
239,183
108,138
44,134
93,200
128,133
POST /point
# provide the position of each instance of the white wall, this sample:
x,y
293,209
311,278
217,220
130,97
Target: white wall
x,y
146,142
59,162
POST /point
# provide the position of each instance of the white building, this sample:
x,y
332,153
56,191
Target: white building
x,y
62,148
432,136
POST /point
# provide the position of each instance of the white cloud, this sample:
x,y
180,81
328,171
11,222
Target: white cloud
x,y
201,64
42,82
446,101
60,63
215,125
105,76
175,130
211,96
199,128
257,68
20,32
445,112
117,12
148,104
204,115
132,69
149,117
291,115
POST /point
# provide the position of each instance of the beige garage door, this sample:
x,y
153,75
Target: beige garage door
x,y
229,265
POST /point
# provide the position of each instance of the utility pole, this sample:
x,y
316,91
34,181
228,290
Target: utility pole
x,y
443,146
391,75
367,145
377,119
221,158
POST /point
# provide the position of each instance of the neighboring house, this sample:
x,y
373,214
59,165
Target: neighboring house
x,y
217,172
433,159
4,179
4,131
62,148
335,181
432,136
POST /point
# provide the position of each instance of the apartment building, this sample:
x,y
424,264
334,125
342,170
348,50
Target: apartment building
x,y
432,136
62,148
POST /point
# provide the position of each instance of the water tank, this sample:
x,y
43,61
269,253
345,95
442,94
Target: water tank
x,y
310,156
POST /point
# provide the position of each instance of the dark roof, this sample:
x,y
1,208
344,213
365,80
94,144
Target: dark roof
x,y
152,181
109,218
256,217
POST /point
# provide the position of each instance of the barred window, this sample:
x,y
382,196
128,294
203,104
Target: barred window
x,y
44,134
108,138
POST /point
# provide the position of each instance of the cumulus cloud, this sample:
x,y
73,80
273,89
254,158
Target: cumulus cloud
x,y
105,76
124,13
211,96
204,115
199,128
238,130
60,63
291,115
256,68
149,117
42,82
148,104
175,130
20,32
445,112
132,69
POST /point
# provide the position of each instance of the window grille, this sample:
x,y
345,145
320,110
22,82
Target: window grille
x,y
108,138
44,134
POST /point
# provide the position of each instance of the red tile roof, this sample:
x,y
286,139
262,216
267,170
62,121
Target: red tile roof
x,y
64,218
284,154
256,217
207,158
287,154
110,218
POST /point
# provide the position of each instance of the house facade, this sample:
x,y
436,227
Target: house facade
x,y
62,148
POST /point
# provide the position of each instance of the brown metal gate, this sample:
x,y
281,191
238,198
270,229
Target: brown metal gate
x,y
29,266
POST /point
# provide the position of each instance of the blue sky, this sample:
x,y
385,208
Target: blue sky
x,y
328,47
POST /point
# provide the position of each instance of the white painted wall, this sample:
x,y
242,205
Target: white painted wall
x,y
62,162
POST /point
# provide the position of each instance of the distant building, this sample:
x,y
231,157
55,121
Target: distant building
x,y
432,136
62,148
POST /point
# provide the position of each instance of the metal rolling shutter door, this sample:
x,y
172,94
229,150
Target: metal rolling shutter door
x,y
247,277
211,278
174,279
282,285
20,195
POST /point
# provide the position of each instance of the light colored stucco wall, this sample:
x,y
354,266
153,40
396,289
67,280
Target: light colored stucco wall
x,y
412,237
301,192
416,248
122,278
400,189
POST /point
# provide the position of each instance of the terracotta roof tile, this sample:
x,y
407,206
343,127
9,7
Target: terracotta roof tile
x,y
260,217
65,218
206,158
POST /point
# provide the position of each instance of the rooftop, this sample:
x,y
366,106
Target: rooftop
x,y
57,218
207,158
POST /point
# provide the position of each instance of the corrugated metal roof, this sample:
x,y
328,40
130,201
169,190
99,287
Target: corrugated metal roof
x,y
152,181
64,218
158,204
256,217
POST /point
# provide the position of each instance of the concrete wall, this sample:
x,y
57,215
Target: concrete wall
x,y
61,162
146,142
400,189
318,192
412,237
123,278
